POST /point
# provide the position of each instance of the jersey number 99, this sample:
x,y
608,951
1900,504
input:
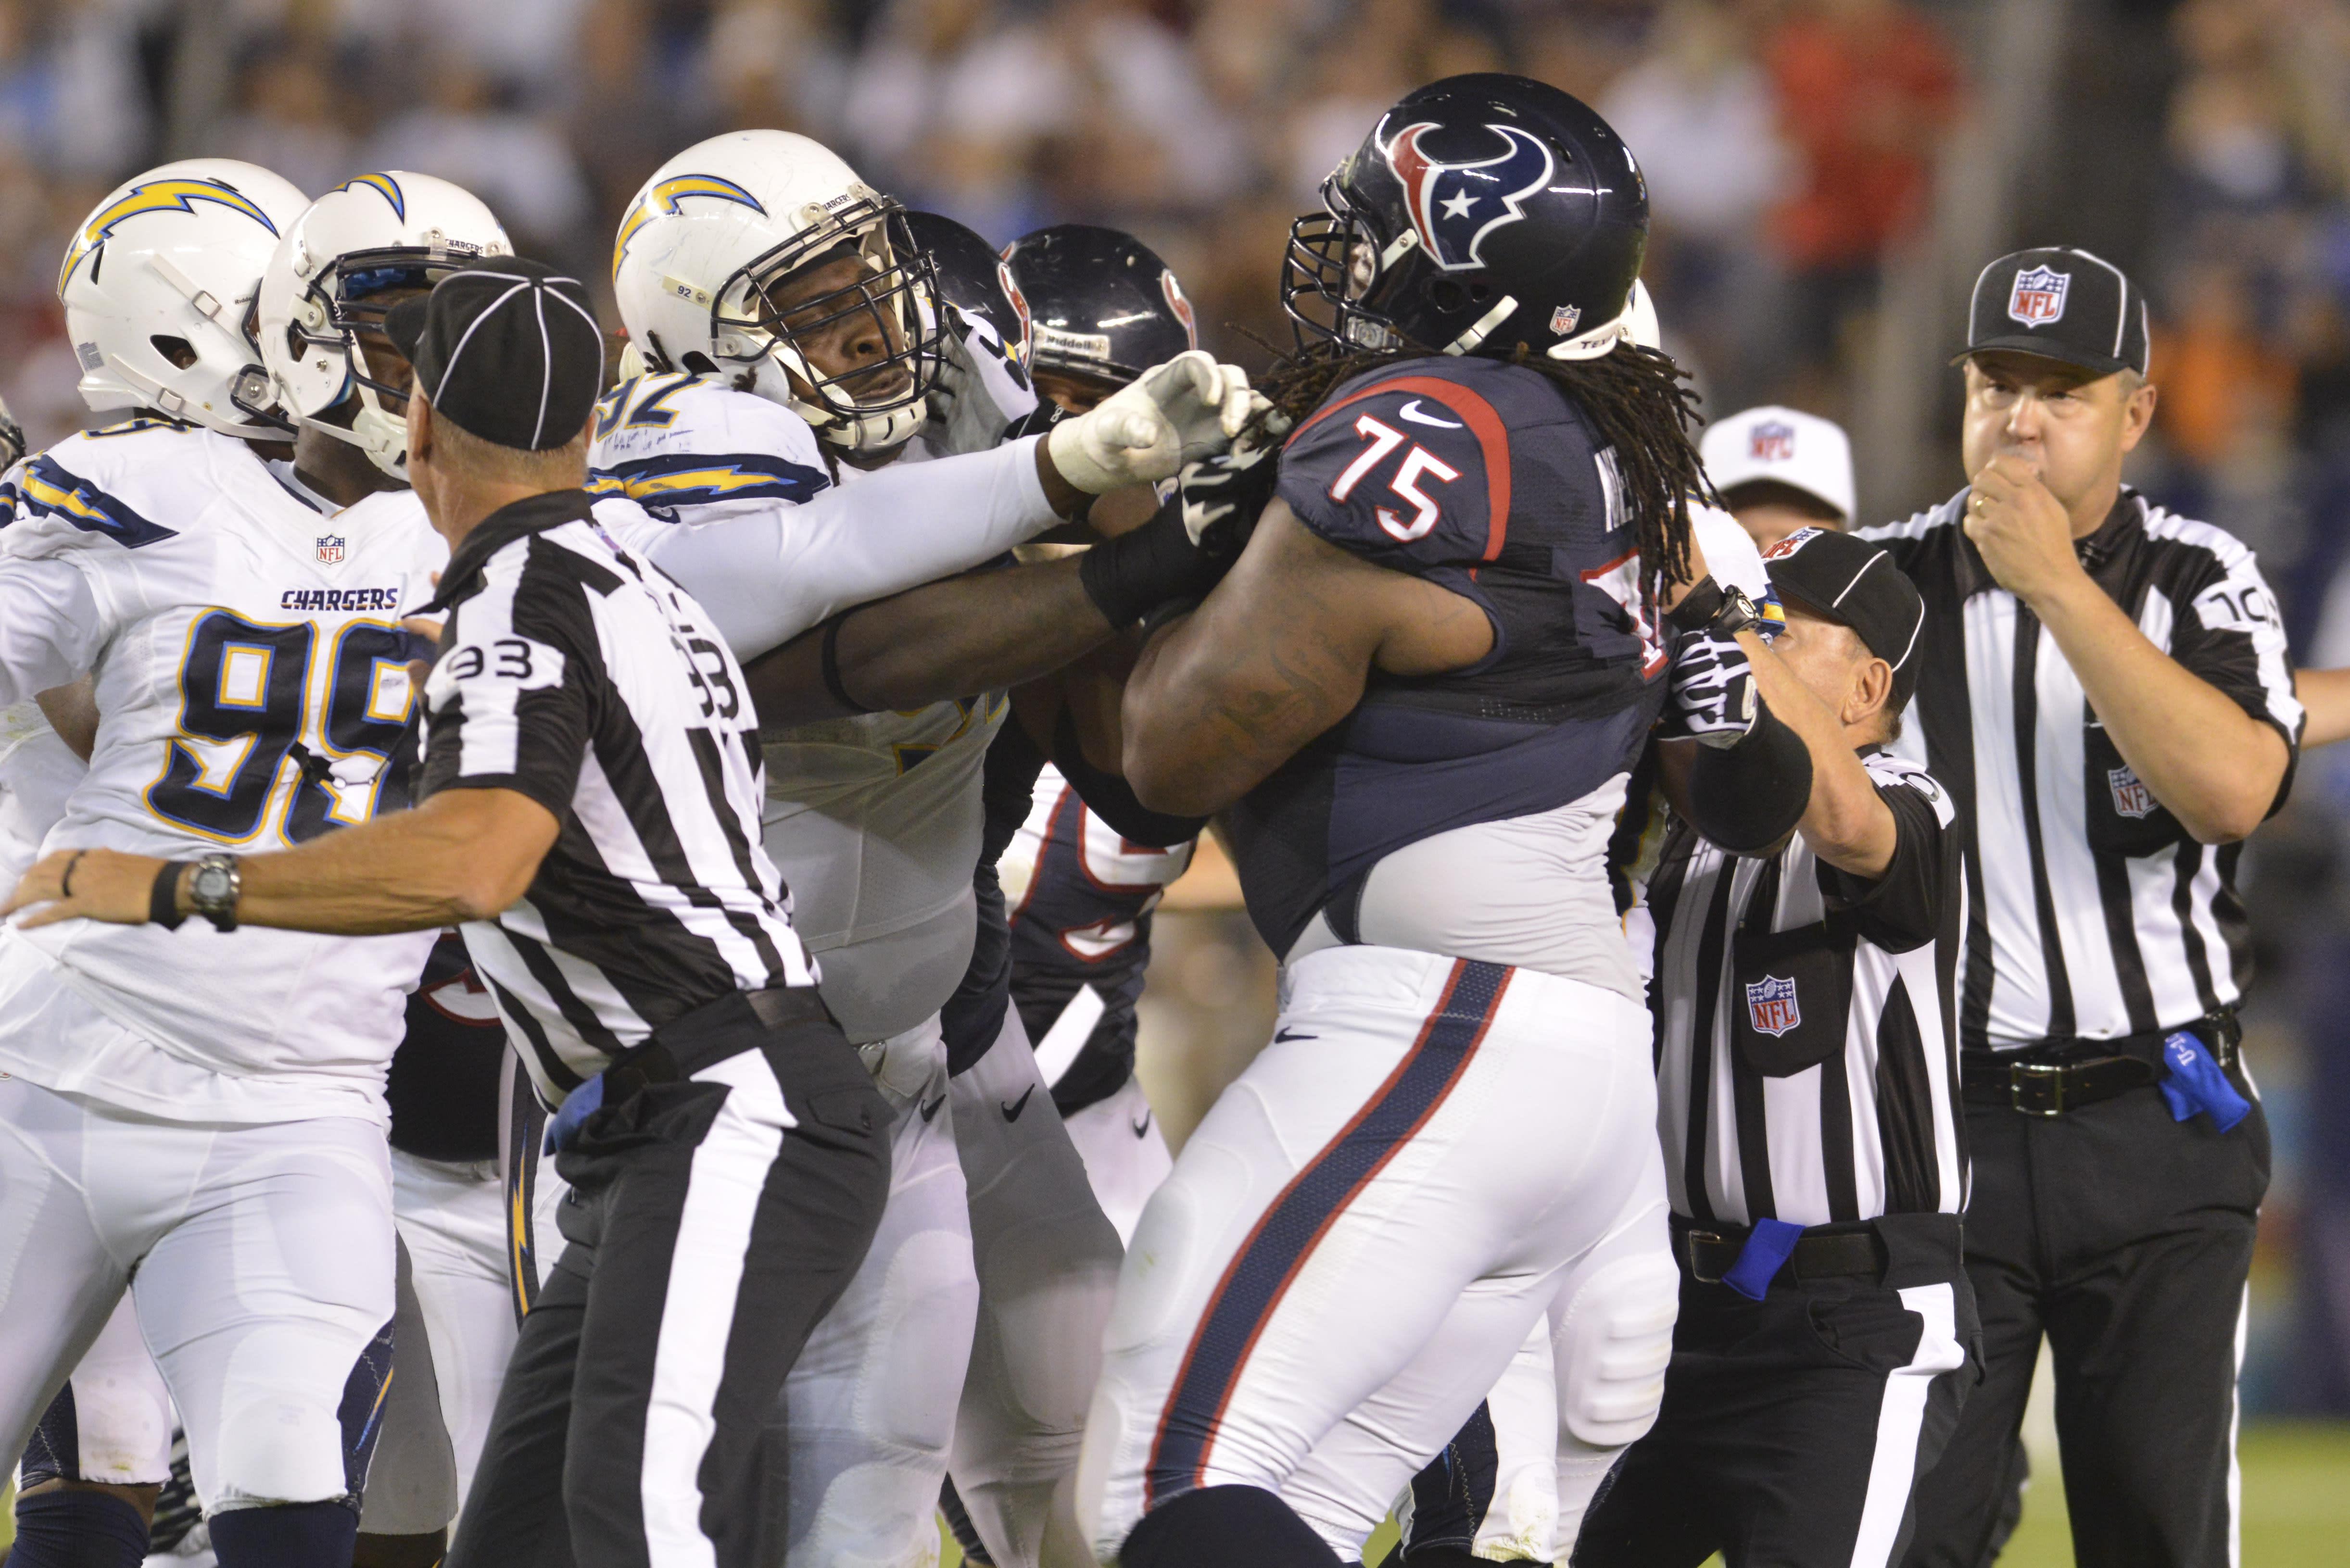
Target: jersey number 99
x,y
247,708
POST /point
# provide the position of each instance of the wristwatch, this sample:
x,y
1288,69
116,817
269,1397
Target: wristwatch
x,y
1737,614
213,888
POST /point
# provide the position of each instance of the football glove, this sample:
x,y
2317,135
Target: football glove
x,y
1713,699
1173,414
1225,494
972,402
12,439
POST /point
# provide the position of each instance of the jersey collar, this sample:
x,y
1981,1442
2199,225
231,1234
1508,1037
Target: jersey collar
x,y
531,515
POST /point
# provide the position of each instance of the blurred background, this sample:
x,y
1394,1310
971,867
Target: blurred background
x,y
1827,176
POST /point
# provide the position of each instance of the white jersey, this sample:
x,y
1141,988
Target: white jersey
x,y
252,684
38,771
875,820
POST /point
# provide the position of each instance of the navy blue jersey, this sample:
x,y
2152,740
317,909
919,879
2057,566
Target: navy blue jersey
x,y
1082,895
1483,477
442,1088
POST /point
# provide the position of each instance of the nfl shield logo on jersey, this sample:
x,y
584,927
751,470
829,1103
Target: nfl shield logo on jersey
x,y
330,550
2039,297
1770,1005
2131,797
1771,444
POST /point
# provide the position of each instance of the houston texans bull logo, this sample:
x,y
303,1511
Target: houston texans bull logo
x,y
1455,205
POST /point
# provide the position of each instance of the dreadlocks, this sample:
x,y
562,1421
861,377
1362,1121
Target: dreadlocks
x,y
1636,399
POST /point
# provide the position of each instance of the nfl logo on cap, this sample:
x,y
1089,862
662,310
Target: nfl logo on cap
x,y
1770,1005
330,550
1772,442
2039,297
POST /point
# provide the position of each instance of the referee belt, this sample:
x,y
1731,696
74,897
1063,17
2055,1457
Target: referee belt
x,y
735,1023
1707,1250
2050,1077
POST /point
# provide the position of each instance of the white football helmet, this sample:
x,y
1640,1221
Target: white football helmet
x,y
720,226
328,280
156,286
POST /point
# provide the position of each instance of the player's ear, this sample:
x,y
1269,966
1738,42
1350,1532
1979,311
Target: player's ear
x,y
1872,690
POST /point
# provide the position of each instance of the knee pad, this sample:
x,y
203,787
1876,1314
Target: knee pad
x,y
1612,1344
1231,1526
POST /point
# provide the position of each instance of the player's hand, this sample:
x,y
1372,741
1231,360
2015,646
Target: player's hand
x,y
1224,496
1713,698
963,410
2022,530
12,437
1173,414
85,884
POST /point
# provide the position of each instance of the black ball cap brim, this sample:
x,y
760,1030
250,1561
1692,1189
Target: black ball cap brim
x,y
506,350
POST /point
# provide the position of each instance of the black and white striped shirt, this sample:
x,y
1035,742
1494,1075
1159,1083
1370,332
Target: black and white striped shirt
x,y
571,672
1806,1066
2095,913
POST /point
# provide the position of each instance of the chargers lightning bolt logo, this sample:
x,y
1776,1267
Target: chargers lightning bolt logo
x,y
383,185
664,197
154,196
1455,205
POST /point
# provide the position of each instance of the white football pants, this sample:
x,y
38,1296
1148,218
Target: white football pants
x,y
121,1411
451,1220
1363,1232
264,1260
1125,1154
1047,1263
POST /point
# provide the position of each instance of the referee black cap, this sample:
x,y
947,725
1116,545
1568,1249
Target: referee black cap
x,y
2059,303
506,350
1852,581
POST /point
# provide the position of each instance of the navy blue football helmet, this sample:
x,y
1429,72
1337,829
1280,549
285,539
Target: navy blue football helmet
x,y
1100,303
1482,213
970,277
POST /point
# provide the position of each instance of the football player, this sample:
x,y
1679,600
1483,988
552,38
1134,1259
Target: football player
x,y
1419,694
251,688
794,342
355,253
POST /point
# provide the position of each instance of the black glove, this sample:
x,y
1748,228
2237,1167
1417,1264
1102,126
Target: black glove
x,y
1713,699
1224,496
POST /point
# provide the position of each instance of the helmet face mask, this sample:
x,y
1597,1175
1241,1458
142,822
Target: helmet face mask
x,y
845,316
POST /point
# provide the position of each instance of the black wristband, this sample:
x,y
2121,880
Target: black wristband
x,y
1749,796
830,659
1698,607
163,900
1131,575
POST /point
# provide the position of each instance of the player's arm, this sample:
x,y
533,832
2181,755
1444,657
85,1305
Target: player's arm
x,y
464,854
1846,820
50,628
2325,697
72,711
1277,654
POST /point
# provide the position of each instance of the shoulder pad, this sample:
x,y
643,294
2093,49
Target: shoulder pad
x,y
1412,462
678,443
106,486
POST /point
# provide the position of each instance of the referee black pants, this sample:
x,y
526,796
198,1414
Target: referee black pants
x,y
1794,1428
716,1213
2125,1238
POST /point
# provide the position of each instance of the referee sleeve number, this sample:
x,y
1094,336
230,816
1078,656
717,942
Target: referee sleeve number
x,y
713,677
2236,606
1418,464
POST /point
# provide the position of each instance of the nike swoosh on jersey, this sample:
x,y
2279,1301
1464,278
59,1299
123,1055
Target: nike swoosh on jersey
x,y
1012,1111
1142,1127
931,1110
1284,1035
1411,410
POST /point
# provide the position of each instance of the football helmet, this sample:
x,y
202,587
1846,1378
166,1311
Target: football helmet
x,y
708,245
156,285
1102,304
329,278
1482,213
971,277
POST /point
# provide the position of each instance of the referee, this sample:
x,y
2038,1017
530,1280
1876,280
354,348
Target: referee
x,y
2104,691
1807,1075
590,812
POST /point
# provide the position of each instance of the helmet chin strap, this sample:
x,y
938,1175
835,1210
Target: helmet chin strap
x,y
879,432
1601,340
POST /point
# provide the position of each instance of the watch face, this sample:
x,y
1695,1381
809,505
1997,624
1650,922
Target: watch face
x,y
210,884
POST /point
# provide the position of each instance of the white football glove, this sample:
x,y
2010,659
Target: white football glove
x,y
977,394
1173,414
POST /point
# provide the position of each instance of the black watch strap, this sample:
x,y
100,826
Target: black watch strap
x,y
163,901
1737,614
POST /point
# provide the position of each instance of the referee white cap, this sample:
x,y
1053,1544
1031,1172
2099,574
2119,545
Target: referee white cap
x,y
1779,445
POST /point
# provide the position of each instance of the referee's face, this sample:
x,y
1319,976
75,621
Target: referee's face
x,y
1834,665
2071,425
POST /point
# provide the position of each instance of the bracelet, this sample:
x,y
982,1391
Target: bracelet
x,y
65,878
163,900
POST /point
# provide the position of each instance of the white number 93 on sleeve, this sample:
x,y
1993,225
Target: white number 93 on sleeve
x,y
524,663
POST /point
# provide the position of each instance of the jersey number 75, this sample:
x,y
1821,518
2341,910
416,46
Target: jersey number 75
x,y
247,708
